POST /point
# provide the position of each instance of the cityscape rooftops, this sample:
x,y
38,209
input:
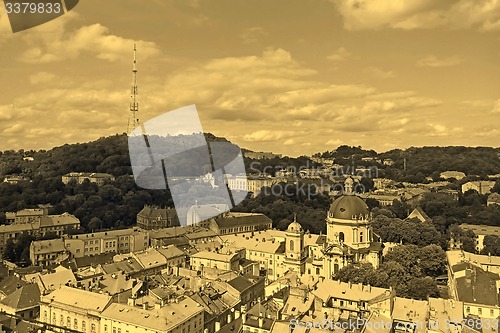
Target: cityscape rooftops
x,y
348,291
77,298
48,246
163,319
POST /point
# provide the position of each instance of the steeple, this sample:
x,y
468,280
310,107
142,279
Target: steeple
x,y
133,121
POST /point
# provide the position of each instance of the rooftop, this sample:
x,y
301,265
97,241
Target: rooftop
x,y
48,246
73,297
236,219
163,319
348,291
27,296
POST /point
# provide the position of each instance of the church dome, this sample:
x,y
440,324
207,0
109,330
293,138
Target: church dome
x,y
346,206
294,227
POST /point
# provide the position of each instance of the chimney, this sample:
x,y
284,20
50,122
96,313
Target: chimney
x,y
261,321
229,319
145,305
236,314
157,306
217,326
131,301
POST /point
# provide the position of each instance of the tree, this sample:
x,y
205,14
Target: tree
x,y
95,224
491,245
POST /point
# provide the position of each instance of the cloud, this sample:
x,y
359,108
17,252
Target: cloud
x,y
482,15
434,61
268,135
253,35
340,54
51,42
496,107
380,73
41,77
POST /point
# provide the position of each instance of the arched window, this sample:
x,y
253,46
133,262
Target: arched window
x,y
291,245
361,237
335,268
341,237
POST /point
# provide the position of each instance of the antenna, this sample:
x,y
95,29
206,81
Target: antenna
x,y
133,121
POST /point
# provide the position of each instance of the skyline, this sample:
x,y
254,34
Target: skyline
x,y
296,78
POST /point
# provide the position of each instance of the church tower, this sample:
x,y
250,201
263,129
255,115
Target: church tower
x,y
295,254
349,224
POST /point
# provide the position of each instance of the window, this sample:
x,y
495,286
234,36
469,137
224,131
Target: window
x,y
68,322
361,237
84,328
341,237
467,309
479,311
291,245
75,324
92,328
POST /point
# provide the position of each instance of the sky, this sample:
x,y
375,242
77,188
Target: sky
x,y
289,76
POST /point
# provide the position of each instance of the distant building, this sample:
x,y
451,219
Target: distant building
x,y
15,179
383,199
28,215
39,226
481,231
153,217
388,161
48,252
234,222
418,213
112,241
452,174
256,183
493,199
93,177
480,186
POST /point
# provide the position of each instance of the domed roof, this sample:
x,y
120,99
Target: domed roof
x,y
346,206
294,227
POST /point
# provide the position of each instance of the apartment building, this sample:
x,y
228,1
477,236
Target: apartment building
x,y
112,241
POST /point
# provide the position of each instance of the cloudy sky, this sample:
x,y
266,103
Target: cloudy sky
x,y
288,76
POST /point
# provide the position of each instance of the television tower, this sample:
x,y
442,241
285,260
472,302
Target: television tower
x,y
133,121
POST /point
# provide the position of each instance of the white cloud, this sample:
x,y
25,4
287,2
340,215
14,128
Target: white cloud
x,y
268,135
434,61
53,42
380,73
253,35
41,77
482,15
496,107
340,54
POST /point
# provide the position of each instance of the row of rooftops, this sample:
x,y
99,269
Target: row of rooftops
x,y
42,221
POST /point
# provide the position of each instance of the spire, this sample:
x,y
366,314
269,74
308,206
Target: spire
x,y
133,121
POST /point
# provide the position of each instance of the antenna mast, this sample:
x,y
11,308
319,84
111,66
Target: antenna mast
x,y
133,121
